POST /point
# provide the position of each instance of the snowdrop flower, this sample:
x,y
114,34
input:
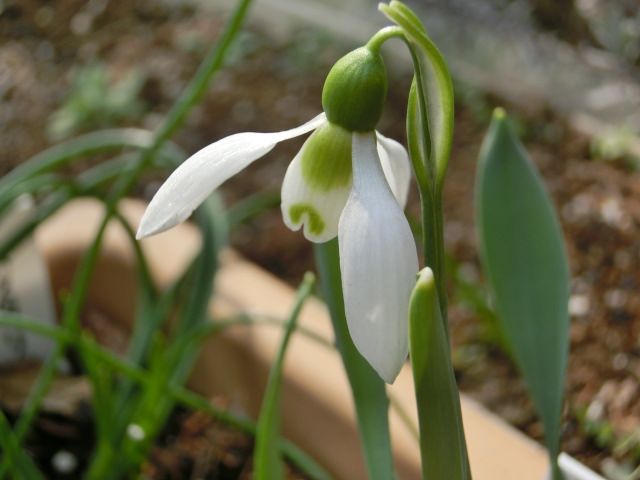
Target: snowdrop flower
x,y
347,180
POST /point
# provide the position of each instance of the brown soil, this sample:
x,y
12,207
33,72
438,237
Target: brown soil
x,y
273,86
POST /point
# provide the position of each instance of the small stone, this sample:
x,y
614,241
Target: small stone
x,y
611,212
627,392
595,412
578,305
135,432
620,361
615,298
81,23
64,462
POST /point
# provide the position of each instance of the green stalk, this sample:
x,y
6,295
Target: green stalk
x,y
20,465
430,116
442,445
368,389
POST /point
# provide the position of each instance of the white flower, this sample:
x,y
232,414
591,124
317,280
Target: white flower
x,y
361,201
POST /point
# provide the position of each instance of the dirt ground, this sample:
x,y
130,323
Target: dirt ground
x,y
272,86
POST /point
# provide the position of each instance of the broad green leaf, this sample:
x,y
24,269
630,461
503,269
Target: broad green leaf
x,y
434,88
526,265
442,445
266,458
368,389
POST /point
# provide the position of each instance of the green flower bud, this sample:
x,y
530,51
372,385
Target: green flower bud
x,y
355,89
326,158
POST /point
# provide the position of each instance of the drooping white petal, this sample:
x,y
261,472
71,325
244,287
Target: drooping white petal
x,y
189,185
378,262
317,211
395,164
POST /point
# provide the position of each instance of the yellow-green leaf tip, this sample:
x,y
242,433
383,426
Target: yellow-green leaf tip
x,y
425,277
499,113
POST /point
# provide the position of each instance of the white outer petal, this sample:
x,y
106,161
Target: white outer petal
x,y
328,204
378,262
396,166
190,184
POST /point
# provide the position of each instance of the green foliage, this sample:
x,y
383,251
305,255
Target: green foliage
x,y
434,92
442,445
526,265
604,435
368,389
117,452
474,295
430,113
94,102
267,462
617,144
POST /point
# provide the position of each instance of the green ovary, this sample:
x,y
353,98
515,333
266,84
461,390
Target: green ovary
x,y
314,219
326,159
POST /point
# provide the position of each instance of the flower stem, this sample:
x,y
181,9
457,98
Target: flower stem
x,y
433,244
368,389
381,36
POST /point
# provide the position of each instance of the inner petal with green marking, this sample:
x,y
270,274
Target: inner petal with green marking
x,y
326,158
313,219
317,184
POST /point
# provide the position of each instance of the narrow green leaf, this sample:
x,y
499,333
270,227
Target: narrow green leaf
x,y
103,394
525,262
88,183
19,463
368,389
418,139
267,463
435,88
169,363
90,144
252,206
442,445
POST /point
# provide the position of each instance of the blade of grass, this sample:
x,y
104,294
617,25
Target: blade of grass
x,y
20,465
103,394
173,361
89,183
267,464
86,145
523,254
252,206
442,445
368,389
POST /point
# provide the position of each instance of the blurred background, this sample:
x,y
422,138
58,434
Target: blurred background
x,y
568,71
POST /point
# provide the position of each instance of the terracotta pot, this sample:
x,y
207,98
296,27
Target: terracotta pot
x,y
316,401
